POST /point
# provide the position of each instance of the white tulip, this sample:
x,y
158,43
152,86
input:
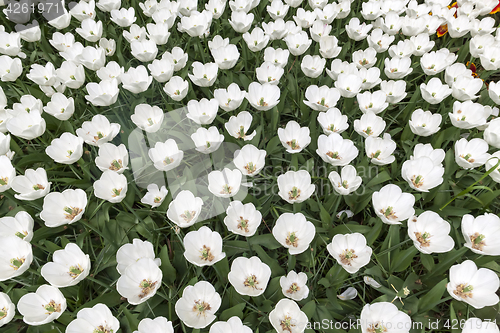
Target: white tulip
x,y
7,309
155,196
157,325
422,174
430,233
131,253
166,155
112,186
21,226
250,160
384,317
43,306
67,268
96,319
294,232
249,276
233,324
294,286
111,157
140,281
473,286
16,259
347,182
287,317
198,304
185,209
242,219
63,208
392,205
295,186
33,185
350,251
482,234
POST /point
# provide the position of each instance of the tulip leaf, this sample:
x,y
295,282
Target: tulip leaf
x,y
432,297
236,310
169,272
427,261
403,259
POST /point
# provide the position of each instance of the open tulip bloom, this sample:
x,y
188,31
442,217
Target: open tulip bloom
x,y
20,225
185,209
392,205
384,317
130,253
225,183
198,304
242,219
7,309
295,186
43,306
68,267
17,257
287,317
482,234
249,276
63,208
294,285
203,247
95,319
430,233
293,137
350,251
474,286
140,281
294,232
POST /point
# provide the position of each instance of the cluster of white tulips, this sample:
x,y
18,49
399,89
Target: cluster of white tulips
x,y
87,69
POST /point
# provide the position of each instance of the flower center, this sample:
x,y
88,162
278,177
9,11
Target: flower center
x,y
250,167
200,307
74,271
157,199
3,313
102,329
286,324
347,256
116,192
226,189
38,187
334,155
243,224
206,254
376,328
322,102
146,287
292,239
376,154
52,307
150,122
262,102
463,291
241,132
344,184
116,165
188,215
477,241
167,160
468,158
423,239
417,181
71,212
252,282
331,128
22,234
294,194
4,181
293,144
16,263
293,288
389,213
98,136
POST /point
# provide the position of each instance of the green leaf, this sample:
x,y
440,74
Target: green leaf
x,y
236,310
427,261
403,259
433,297
169,272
